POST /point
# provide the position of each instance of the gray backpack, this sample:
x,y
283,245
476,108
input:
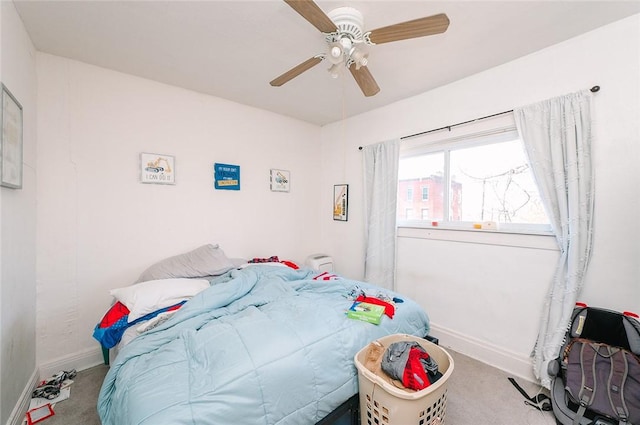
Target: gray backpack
x,y
599,369
604,379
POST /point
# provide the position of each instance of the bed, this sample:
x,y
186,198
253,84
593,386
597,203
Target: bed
x,y
260,345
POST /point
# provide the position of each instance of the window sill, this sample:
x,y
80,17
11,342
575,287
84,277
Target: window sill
x,y
533,240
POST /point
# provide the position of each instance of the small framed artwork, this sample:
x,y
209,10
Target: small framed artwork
x,y
341,202
157,168
11,143
226,176
280,180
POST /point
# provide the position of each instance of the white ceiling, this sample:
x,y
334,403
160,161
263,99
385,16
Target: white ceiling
x,y
232,49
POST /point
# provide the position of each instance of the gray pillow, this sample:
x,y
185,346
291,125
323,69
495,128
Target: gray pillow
x,y
208,260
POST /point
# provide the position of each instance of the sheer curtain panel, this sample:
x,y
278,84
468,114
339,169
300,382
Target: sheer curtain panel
x,y
557,137
381,192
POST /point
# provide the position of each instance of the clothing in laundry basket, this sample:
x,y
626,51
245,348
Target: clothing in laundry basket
x,y
408,362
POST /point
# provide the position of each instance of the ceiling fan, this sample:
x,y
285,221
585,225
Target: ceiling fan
x,y
348,44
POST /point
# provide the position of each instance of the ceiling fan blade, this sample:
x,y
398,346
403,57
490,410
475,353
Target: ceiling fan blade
x,y
296,70
312,13
365,80
421,27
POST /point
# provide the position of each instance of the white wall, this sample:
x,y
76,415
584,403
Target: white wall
x,y
485,297
18,229
99,228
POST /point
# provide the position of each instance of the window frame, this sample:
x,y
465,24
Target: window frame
x,y
493,130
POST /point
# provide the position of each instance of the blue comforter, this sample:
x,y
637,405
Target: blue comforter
x,y
263,345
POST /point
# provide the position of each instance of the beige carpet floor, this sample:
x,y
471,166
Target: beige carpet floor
x,y
478,394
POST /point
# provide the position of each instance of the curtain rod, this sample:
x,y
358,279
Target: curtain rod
x,y
449,127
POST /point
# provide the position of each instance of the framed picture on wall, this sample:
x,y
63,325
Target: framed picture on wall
x,y
280,180
11,144
226,176
157,168
341,202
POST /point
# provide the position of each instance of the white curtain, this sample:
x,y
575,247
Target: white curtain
x,y
557,137
381,192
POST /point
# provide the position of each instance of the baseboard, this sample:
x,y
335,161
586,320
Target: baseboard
x,y
17,415
78,361
512,363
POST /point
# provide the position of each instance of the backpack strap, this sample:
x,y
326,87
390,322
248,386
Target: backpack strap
x,y
541,402
617,378
588,385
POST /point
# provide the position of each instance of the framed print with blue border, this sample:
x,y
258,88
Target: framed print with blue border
x,y
226,176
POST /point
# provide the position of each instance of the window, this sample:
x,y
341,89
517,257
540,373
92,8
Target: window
x,y
410,193
480,179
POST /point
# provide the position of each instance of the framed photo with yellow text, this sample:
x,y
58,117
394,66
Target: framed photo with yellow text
x,y
341,202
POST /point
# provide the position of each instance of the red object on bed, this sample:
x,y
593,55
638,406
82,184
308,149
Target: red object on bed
x,y
389,309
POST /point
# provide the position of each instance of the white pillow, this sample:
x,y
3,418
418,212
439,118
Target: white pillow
x,y
146,297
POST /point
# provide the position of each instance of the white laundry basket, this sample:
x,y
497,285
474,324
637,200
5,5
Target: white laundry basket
x,y
383,403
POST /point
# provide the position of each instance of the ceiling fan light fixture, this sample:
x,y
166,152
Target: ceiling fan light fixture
x,y
359,55
336,54
346,43
334,70
361,63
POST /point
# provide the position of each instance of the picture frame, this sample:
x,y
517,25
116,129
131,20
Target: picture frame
x,y
157,168
279,180
11,148
226,176
341,202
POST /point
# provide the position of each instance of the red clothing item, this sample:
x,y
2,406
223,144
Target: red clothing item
x,y
115,313
389,309
415,376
